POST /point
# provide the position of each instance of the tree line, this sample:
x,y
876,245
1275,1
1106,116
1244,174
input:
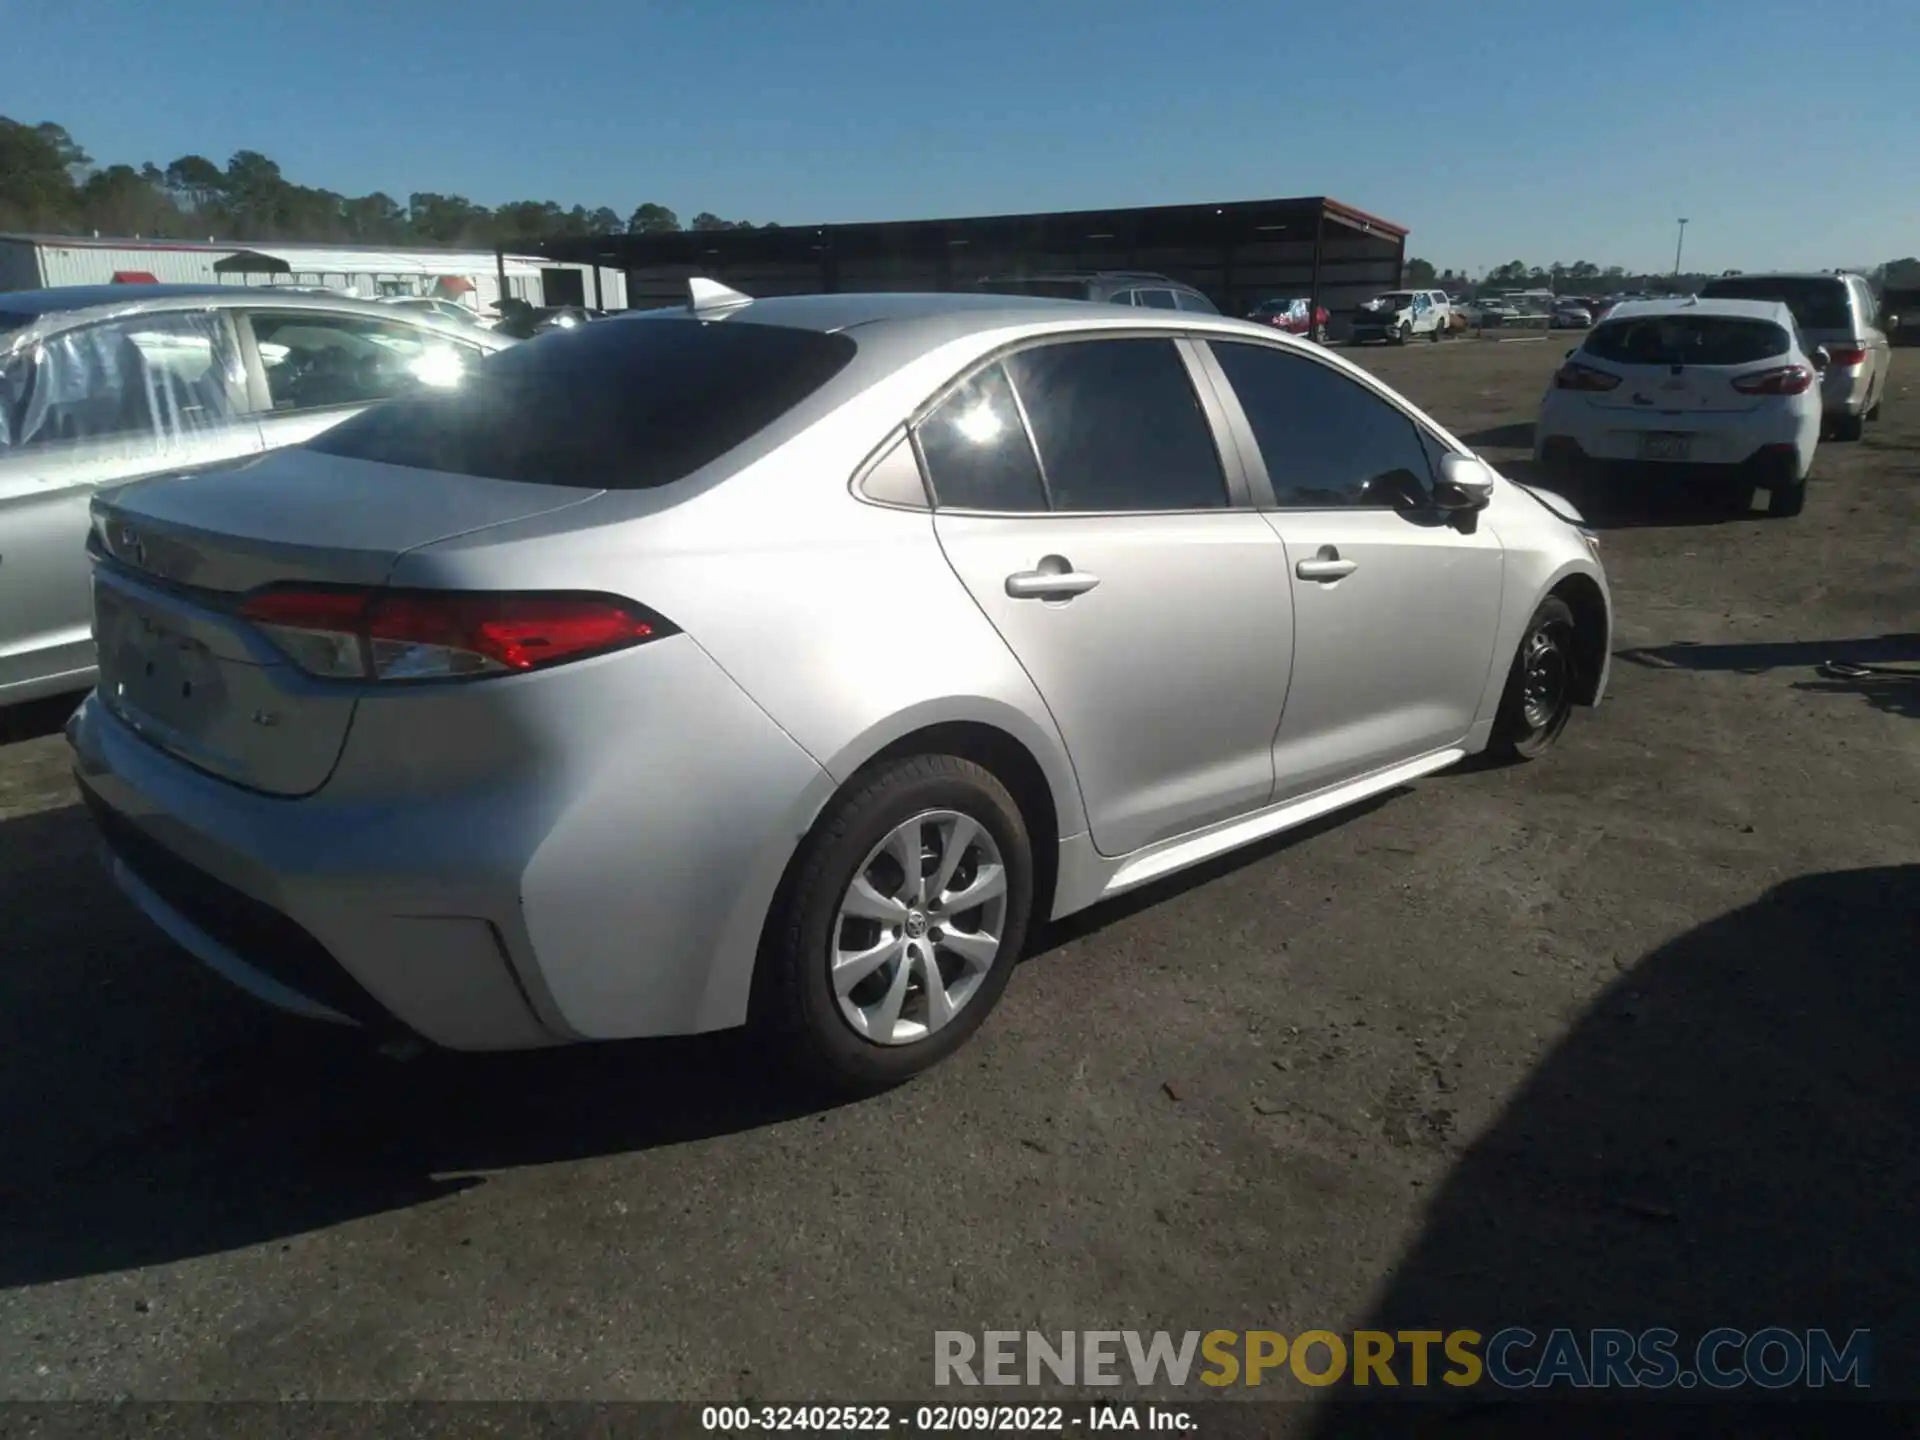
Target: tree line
x,y
48,183
1584,276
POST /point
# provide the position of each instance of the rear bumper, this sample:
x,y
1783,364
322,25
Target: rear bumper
x,y
583,854
1571,426
253,887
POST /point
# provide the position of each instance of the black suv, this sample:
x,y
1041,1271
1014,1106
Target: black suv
x,y
1111,287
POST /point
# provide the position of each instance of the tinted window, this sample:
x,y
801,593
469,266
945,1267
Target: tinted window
x,y
1119,427
976,449
14,322
1687,340
622,406
313,360
1818,302
1155,299
1327,441
1193,300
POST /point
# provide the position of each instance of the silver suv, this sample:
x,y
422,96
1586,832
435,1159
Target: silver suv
x,y
105,384
1110,287
1836,311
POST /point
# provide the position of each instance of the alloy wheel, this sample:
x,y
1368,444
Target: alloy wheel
x,y
919,928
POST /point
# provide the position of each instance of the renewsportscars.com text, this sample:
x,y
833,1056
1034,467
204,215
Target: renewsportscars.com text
x,y
1514,1358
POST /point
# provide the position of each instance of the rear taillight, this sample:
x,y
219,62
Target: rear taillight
x,y
1786,380
342,633
1846,354
1575,376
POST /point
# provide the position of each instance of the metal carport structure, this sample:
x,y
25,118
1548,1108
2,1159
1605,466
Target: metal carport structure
x,y
1237,252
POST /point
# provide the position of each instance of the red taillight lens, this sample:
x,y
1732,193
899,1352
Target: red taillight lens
x,y
352,634
1787,380
1575,376
1846,354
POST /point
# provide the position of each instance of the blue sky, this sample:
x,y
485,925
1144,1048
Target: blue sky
x,y
1788,133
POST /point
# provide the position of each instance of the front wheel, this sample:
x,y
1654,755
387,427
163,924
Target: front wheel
x,y
1403,334
1538,700
905,915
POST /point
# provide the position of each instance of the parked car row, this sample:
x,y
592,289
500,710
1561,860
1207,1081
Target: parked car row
x,y
1739,384
350,742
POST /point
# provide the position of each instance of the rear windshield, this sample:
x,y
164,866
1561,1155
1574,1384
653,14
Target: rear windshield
x,y
1687,340
621,405
1818,302
1047,289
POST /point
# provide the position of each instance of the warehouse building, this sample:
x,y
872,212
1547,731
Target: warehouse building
x,y
475,277
1238,253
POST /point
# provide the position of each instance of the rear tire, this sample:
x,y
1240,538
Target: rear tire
x,y
848,877
1437,334
1786,499
1538,700
1848,428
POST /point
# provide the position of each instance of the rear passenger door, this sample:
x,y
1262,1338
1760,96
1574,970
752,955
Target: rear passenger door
x,y
1081,497
311,369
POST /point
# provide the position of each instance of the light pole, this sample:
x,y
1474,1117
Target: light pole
x,y
1676,247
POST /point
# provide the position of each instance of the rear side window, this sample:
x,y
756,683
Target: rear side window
x,y
1818,302
622,405
1687,340
1118,426
976,449
1195,301
1154,299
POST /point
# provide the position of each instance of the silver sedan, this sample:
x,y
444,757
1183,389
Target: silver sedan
x,y
789,662
104,384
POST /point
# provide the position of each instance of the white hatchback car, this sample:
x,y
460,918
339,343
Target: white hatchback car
x,y
1726,388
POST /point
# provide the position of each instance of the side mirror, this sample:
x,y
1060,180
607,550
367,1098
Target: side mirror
x,y
1573,352
1821,358
1464,483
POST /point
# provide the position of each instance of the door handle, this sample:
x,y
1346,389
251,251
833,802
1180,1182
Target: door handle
x,y
1326,566
1054,578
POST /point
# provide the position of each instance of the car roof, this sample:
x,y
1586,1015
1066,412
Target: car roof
x,y
1834,275
893,328
1774,310
58,308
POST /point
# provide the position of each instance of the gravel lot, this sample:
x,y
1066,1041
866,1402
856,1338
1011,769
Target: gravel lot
x,y
1624,1037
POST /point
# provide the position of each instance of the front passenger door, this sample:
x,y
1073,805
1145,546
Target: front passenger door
x,y
1081,498
1395,605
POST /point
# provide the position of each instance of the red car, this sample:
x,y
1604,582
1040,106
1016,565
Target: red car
x,y
1291,316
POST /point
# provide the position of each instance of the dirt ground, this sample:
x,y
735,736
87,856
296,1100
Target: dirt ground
x,y
1625,1037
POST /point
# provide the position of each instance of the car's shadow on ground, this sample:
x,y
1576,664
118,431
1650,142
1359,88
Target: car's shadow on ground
x,y
1834,666
1729,1136
35,719
149,1113
1640,499
1515,437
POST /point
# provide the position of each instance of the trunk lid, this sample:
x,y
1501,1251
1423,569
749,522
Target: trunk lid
x,y
172,560
1678,389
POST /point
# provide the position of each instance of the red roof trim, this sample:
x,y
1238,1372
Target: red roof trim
x,y
134,277
1355,216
